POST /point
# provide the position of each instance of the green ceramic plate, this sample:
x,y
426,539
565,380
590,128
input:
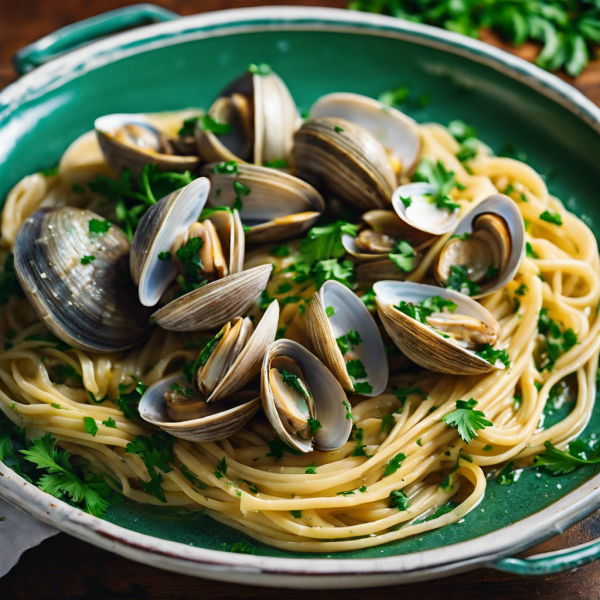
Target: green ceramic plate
x,y
183,63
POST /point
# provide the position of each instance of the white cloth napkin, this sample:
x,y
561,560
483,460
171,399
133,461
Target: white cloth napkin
x,y
18,532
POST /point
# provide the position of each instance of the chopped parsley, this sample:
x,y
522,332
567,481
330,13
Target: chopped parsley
x,y
314,426
278,447
359,450
363,387
442,180
356,369
508,475
110,422
521,290
294,382
403,256
97,227
491,355
189,255
349,416
442,510
338,129
551,217
349,341
209,124
403,393
188,127
466,419
164,256
394,464
406,201
399,500
221,469
128,402
427,307
557,341
228,167
278,163
297,514
387,423
531,253
332,269
89,426
86,260
311,469
330,311
459,280
324,243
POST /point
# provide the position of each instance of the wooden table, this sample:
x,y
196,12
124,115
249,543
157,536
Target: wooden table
x,y
63,567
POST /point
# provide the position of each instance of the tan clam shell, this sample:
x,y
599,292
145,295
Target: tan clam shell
x,y
505,207
275,118
278,207
156,233
153,410
93,307
121,156
344,160
396,132
421,343
247,363
327,393
214,304
350,313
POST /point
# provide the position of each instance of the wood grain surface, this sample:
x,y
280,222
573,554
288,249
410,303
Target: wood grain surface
x,y
65,568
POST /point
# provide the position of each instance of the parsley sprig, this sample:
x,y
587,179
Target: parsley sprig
x,y
578,454
557,341
442,180
466,419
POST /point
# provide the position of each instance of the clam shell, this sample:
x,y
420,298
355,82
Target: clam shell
x,y
153,409
344,160
121,156
93,307
157,232
424,217
215,303
327,393
248,362
279,206
396,132
350,313
421,343
275,118
505,207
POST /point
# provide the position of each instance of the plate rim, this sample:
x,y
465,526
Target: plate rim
x,y
264,570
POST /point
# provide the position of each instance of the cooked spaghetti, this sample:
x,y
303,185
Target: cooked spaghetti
x,y
343,499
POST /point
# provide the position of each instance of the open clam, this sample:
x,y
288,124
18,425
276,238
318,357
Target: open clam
x,y
73,267
257,115
424,219
385,248
208,256
396,132
303,401
275,206
345,337
206,403
342,159
203,422
134,140
486,249
441,330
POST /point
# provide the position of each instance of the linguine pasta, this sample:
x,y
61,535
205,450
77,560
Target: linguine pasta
x,y
339,500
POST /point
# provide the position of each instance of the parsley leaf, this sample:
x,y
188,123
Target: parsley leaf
x,y
278,447
86,260
403,256
466,419
89,426
491,355
295,383
578,454
459,280
60,479
324,243
394,464
128,403
359,450
314,426
311,469
442,510
551,217
557,341
332,269
399,500
442,180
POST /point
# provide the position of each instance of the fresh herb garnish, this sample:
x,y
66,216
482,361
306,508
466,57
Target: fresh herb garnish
x,y
110,422
359,449
458,280
277,448
89,426
466,419
294,382
297,514
324,243
399,500
551,217
97,227
164,256
61,481
280,250
332,269
426,308
508,475
311,469
278,163
557,342
491,355
394,464
313,426
578,454
86,260
128,402
330,311
228,167
442,510
349,341
403,256
209,124
442,180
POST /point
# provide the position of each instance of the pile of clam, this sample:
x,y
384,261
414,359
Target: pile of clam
x,y
263,175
